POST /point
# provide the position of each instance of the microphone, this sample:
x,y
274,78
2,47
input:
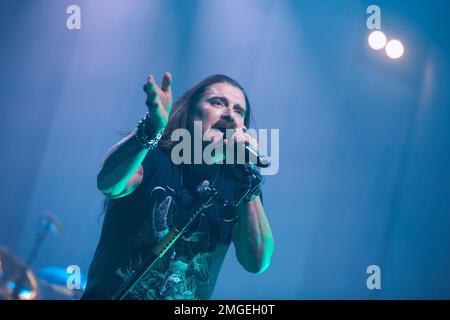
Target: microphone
x,y
261,161
249,152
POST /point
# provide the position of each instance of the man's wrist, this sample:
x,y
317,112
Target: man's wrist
x,y
254,194
146,135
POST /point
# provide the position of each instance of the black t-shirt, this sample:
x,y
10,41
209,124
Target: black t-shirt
x,y
135,223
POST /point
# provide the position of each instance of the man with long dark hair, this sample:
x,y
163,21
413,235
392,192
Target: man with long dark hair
x,y
147,193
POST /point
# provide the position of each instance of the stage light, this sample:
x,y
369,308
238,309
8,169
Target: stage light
x,y
377,40
394,49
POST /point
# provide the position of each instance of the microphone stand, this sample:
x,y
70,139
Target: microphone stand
x,y
42,234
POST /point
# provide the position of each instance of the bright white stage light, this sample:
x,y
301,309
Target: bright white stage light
x,y
394,49
377,40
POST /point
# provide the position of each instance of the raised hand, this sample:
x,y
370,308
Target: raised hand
x,y
159,100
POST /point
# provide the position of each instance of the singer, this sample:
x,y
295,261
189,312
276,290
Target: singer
x,y
148,196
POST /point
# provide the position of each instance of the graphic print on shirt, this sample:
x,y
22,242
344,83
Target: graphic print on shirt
x,y
176,275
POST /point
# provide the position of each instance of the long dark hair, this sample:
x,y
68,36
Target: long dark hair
x,y
183,108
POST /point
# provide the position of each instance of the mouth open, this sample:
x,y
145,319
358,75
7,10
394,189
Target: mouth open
x,y
223,128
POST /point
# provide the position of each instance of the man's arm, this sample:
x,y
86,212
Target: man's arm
x,y
121,171
252,237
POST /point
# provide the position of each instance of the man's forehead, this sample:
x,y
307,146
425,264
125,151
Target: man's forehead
x,y
232,93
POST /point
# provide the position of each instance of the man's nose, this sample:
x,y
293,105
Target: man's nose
x,y
229,115
229,119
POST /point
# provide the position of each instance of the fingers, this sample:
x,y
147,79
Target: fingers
x,y
167,89
150,90
146,86
149,86
156,95
240,136
167,83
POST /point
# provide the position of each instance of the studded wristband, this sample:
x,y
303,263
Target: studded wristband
x,y
146,135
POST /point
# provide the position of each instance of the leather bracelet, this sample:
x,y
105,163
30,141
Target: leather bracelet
x,y
146,135
257,181
256,192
